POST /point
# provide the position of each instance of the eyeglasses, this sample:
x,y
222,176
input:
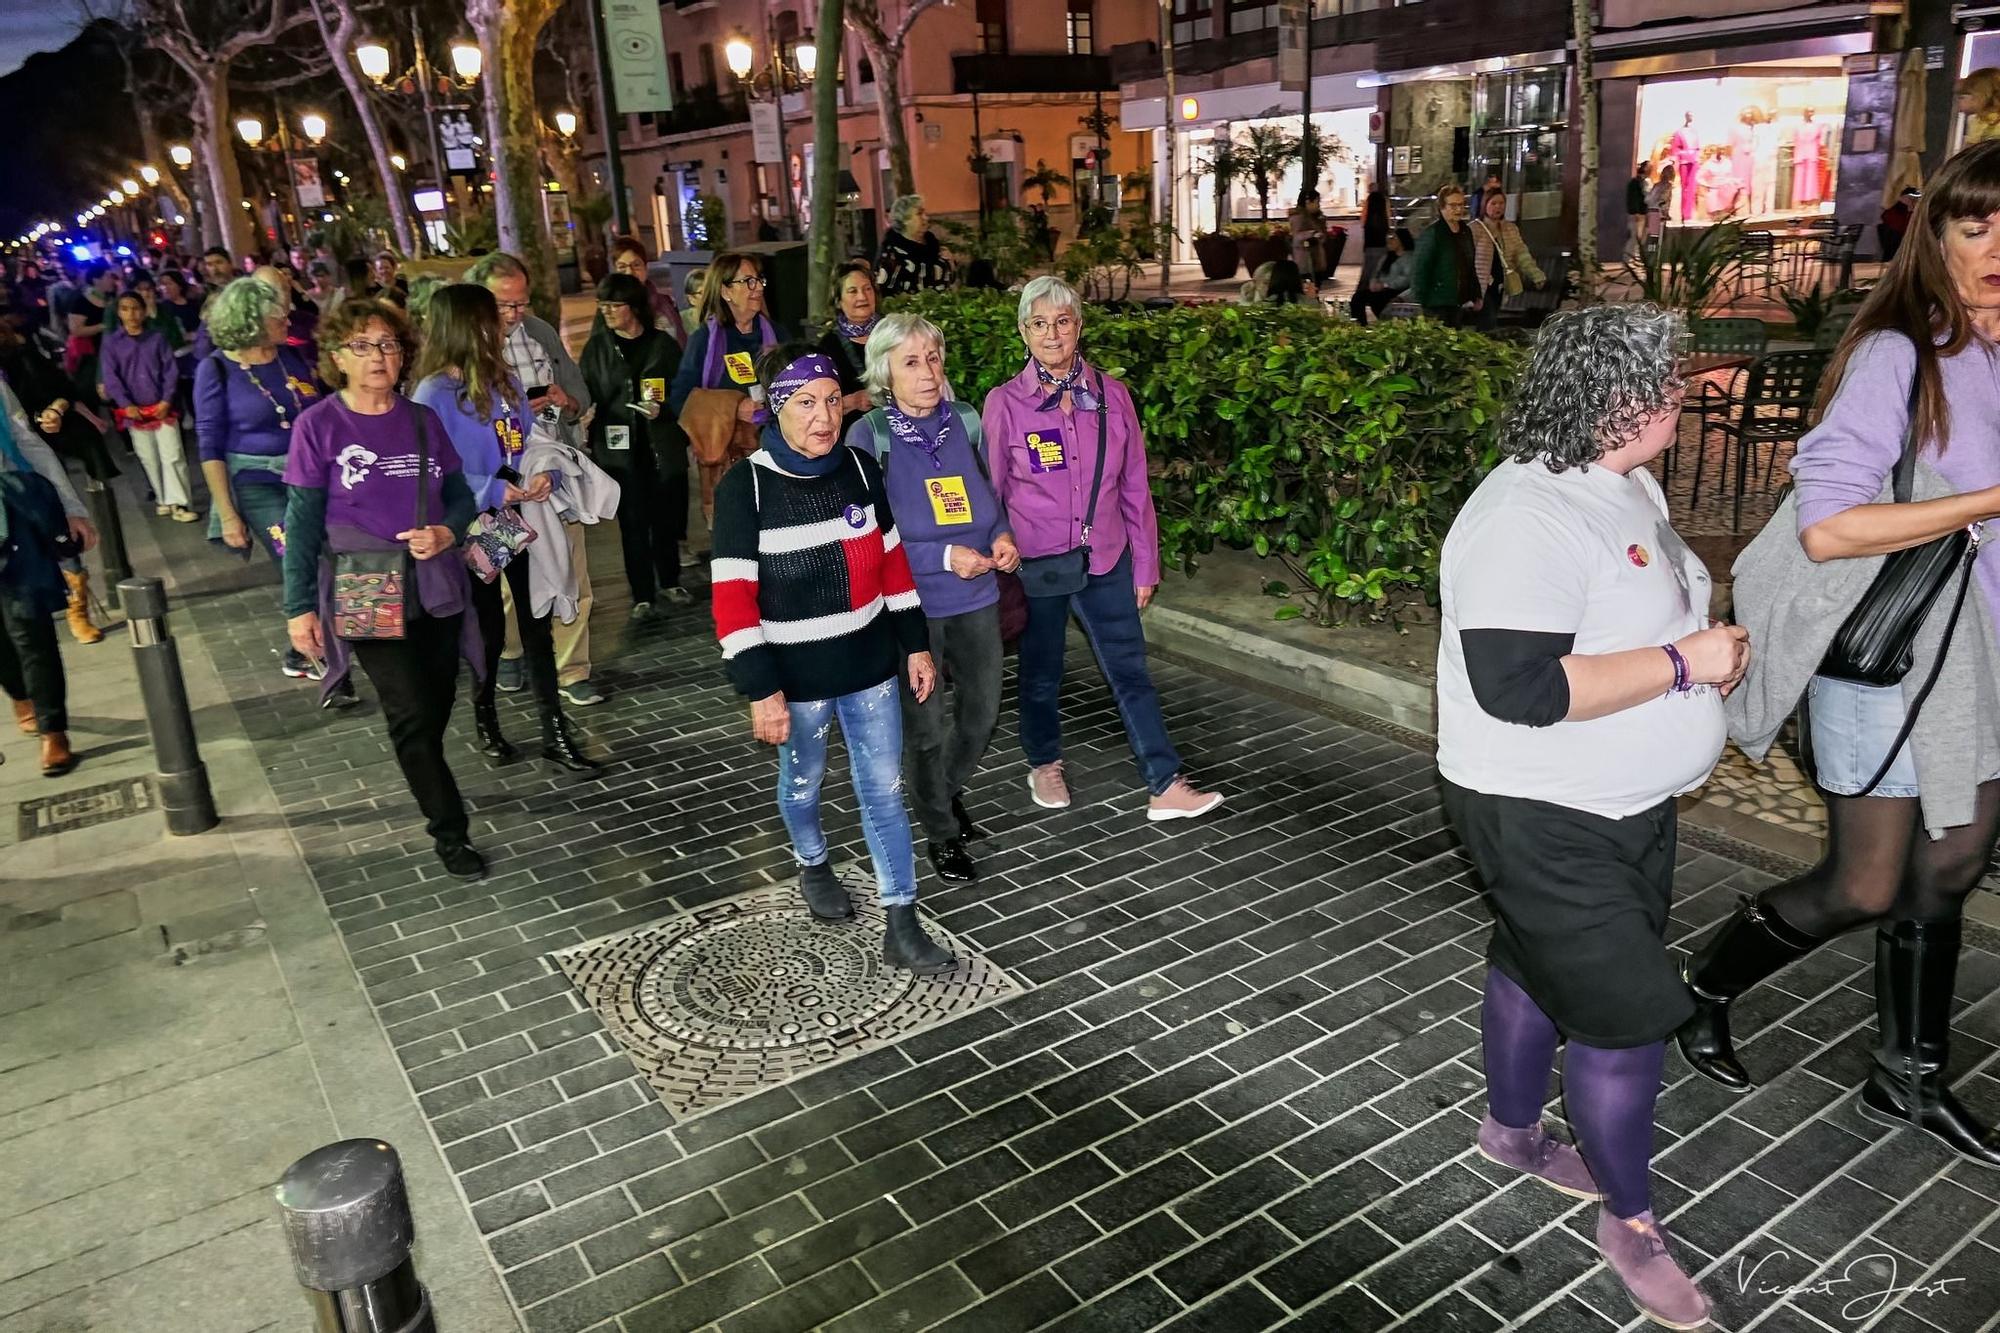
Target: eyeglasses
x,y
362,349
755,284
611,307
1064,324
516,306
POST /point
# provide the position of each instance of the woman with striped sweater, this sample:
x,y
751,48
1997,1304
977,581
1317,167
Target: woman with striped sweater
x,y
818,618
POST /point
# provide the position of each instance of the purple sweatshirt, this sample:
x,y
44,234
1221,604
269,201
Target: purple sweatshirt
x,y
1041,465
138,372
1844,461
234,415
939,503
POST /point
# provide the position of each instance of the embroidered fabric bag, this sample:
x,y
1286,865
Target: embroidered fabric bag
x,y
371,589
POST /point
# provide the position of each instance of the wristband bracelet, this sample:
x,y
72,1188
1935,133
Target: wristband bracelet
x,y
1681,681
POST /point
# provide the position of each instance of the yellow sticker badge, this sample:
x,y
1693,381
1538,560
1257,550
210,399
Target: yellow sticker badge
x,y
740,368
652,390
949,502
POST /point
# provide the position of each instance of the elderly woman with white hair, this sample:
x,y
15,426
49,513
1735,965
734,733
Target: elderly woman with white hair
x,y
910,260
1092,547
248,395
956,534
1580,688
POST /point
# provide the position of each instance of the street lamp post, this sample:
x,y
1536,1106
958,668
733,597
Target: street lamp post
x,y
741,55
377,62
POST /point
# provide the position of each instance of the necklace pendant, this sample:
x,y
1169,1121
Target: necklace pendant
x,y
282,423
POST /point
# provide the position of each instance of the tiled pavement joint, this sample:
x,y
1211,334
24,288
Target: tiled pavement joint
x,y
1241,1093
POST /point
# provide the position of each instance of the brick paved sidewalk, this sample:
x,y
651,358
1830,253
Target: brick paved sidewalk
x,y
1241,1095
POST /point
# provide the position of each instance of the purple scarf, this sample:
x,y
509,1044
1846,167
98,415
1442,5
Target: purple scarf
x,y
908,432
711,368
1072,384
855,332
443,588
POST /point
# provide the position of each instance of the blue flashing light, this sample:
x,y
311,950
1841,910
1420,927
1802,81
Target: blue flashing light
x,y
125,250
81,253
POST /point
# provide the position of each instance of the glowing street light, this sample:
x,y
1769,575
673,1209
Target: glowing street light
x,y
182,155
314,125
566,124
373,57
806,54
399,162
739,53
115,198
465,60
130,187
150,174
252,130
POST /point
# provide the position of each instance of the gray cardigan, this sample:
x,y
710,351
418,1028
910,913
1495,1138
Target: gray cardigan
x,y
569,376
37,453
1792,607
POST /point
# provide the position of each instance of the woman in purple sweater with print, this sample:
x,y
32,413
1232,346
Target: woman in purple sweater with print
x,y
140,378
956,534
1049,431
1926,342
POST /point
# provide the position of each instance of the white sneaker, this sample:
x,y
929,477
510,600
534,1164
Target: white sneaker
x,y
1048,786
642,610
1181,801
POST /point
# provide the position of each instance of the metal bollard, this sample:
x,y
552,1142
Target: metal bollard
x,y
182,778
347,1221
110,538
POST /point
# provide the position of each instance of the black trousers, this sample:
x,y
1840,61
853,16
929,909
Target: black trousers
x,y
652,519
538,644
416,677
1367,300
31,665
943,744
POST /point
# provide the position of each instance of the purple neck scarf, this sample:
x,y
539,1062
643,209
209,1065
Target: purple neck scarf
x,y
855,332
908,432
1072,384
711,369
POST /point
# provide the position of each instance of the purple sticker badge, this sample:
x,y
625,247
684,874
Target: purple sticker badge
x,y
855,516
1045,451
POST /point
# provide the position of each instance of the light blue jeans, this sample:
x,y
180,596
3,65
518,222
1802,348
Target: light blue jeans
x,y
871,722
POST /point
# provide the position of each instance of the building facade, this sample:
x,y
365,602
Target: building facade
x,y
1018,78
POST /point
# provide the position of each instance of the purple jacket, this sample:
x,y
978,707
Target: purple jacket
x,y
1041,485
138,372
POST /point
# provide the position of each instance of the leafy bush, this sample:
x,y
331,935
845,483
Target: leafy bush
x,y
1342,451
1691,272
1811,310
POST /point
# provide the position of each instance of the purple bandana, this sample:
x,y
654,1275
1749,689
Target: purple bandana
x,y
812,366
855,332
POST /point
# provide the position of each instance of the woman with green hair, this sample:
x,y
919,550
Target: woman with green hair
x,y
248,394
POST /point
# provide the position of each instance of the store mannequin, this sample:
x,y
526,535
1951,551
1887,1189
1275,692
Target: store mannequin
x,y
1721,193
1687,162
1808,186
1743,156
1979,103
1763,163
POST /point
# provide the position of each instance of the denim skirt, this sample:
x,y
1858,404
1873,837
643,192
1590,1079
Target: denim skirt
x,y
1853,727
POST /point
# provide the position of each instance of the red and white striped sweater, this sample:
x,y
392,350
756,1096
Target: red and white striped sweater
x,y
812,590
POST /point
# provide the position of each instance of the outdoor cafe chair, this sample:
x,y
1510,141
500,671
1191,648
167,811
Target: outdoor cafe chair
x,y
1775,408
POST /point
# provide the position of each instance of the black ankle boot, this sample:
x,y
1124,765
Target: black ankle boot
x,y
1750,946
951,861
1915,965
823,894
461,861
486,722
967,830
559,746
905,945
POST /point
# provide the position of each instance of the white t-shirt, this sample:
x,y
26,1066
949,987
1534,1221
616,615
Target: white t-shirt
x,y
1585,552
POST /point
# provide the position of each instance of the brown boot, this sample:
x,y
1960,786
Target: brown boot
x,y
57,757
80,627
24,718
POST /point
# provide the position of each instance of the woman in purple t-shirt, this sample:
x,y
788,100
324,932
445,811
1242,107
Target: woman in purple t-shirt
x,y
371,471
1926,342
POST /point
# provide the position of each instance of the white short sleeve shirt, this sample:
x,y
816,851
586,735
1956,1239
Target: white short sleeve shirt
x,y
1590,553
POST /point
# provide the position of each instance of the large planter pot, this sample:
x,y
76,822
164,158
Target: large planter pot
x,y
1217,252
1263,250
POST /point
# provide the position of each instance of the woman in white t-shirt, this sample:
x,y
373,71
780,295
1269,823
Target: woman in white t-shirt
x,y
1579,692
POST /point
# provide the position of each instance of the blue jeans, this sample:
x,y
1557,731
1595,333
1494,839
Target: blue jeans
x,y
871,722
262,508
1108,609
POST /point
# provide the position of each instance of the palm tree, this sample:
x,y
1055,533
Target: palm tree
x,y
1266,151
1226,160
1046,179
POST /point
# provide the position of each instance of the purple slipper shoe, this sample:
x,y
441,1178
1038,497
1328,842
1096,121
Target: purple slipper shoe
x,y
1550,1160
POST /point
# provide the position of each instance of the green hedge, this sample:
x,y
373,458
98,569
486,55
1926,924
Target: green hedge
x,y
1343,451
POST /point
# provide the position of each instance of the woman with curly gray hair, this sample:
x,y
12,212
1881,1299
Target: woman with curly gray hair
x,y
1580,688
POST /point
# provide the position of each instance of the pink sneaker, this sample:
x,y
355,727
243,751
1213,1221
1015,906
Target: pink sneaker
x,y
1047,786
1533,1150
1181,801
1636,1249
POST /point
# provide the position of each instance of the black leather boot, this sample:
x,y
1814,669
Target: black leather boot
x,y
559,746
952,862
967,830
905,945
823,894
1751,945
1915,965
486,722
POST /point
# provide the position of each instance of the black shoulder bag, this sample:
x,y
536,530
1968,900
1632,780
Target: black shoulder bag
x,y
1876,644
1067,573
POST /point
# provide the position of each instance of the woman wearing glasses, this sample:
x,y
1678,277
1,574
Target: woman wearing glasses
x,y
1059,421
714,394
351,480
629,259
628,363
1446,281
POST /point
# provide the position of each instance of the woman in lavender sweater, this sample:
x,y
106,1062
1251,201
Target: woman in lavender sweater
x,y
1924,343
141,378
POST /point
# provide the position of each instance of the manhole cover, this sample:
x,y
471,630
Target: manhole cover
x,y
83,807
750,992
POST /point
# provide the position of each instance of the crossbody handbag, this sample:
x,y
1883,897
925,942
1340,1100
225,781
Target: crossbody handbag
x,y
371,589
1876,644
1067,573
1510,277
